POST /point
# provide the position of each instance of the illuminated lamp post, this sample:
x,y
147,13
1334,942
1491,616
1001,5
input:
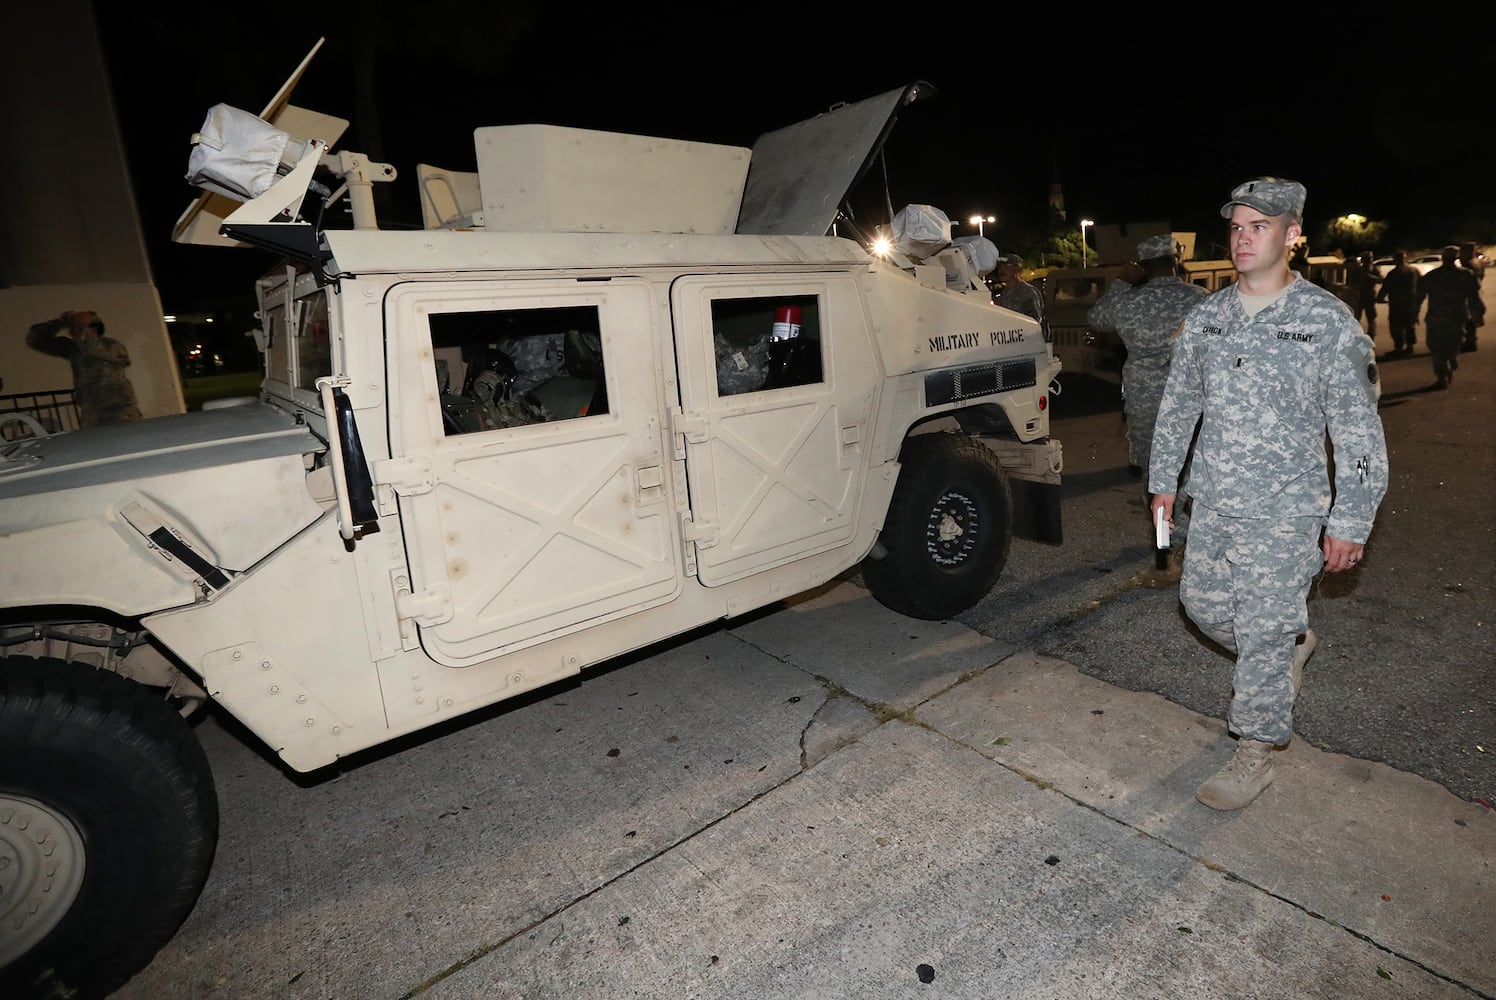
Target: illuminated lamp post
x,y
979,221
1084,224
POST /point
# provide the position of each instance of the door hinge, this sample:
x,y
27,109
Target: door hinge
x,y
409,475
703,532
687,428
432,606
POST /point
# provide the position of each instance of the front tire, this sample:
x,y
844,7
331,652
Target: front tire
x,y
948,529
108,824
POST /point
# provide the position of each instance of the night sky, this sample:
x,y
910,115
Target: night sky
x,y
1138,116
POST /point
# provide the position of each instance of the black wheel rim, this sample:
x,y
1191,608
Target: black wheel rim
x,y
953,528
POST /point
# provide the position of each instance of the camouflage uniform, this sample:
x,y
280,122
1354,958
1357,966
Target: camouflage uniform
x,y
740,368
100,385
1022,297
537,359
1145,316
1453,296
1264,390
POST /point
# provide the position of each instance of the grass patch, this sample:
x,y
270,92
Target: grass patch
x,y
197,391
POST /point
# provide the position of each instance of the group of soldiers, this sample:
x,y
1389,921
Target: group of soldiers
x,y
1448,296
1147,304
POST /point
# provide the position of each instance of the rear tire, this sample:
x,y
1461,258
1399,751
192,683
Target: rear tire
x,y
948,529
108,824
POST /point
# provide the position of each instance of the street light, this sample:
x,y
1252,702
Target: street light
x,y
978,220
1083,224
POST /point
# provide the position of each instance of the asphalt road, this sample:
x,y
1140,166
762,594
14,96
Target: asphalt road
x,y
1403,670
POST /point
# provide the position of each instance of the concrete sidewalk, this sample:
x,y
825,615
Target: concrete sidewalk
x,y
836,801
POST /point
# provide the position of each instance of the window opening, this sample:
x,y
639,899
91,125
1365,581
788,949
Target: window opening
x,y
766,343
516,367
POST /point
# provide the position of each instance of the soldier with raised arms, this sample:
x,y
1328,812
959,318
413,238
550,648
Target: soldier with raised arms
x,y
100,383
1265,369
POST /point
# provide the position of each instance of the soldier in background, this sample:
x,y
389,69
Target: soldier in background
x,y
1268,370
1476,265
1144,306
1013,292
1400,292
1454,302
100,385
1362,282
1299,259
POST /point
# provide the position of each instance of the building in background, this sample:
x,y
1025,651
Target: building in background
x,y
70,232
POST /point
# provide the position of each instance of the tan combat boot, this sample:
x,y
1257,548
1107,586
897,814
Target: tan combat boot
x,y
1301,654
1234,786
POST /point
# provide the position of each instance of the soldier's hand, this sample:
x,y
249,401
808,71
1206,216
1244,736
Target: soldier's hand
x,y
1341,555
1166,501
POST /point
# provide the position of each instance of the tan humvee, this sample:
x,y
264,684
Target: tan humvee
x,y
619,387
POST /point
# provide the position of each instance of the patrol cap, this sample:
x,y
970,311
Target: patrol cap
x,y
1011,258
1450,252
1161,245
1269,195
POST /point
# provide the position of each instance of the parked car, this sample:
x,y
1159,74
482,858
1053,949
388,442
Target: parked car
x,y
1422,263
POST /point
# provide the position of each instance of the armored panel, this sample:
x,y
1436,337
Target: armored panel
x,y
547,178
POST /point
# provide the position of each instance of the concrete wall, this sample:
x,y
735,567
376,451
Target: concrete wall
x,y
70,234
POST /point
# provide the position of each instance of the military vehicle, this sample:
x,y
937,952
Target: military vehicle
x,y
619,387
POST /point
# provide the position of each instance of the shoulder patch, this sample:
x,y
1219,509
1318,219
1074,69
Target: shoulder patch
x,y
1359,352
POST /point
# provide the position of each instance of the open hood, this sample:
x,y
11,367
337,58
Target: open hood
x,y
800,174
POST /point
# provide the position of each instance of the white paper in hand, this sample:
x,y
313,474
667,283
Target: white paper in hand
x,y
1160,529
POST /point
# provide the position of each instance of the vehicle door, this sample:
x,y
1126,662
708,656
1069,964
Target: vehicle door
x,y
525,422
774,432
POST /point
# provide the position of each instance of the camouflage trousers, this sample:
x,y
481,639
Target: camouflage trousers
x,y
1246,585
1142,392
1142,417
